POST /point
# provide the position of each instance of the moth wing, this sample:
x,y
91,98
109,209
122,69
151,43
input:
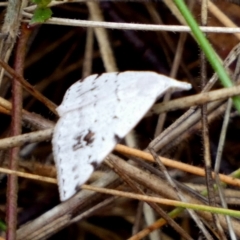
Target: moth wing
x,y
137,95
97,87
84,136
90,90
81,140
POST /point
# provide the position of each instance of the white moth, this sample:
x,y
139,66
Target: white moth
x,y
95,114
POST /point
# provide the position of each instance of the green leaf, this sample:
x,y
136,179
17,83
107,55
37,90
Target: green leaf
x,y
41,14
3,226
41,3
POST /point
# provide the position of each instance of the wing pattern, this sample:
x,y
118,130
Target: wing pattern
x,y
94,114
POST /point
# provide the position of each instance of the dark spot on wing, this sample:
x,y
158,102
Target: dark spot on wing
x,y
99,75
78,144
92,88
94,164
103,138
89,138
79,89
83,79
67,92
74,168
76,177
117,138
95,79
116,92
115,117
83,140
77,188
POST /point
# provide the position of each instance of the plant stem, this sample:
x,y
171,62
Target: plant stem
x,y
207,49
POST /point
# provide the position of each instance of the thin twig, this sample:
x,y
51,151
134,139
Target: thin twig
x,y
111,163
131,26
29,87
205,129
179,194
16,129
198,99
